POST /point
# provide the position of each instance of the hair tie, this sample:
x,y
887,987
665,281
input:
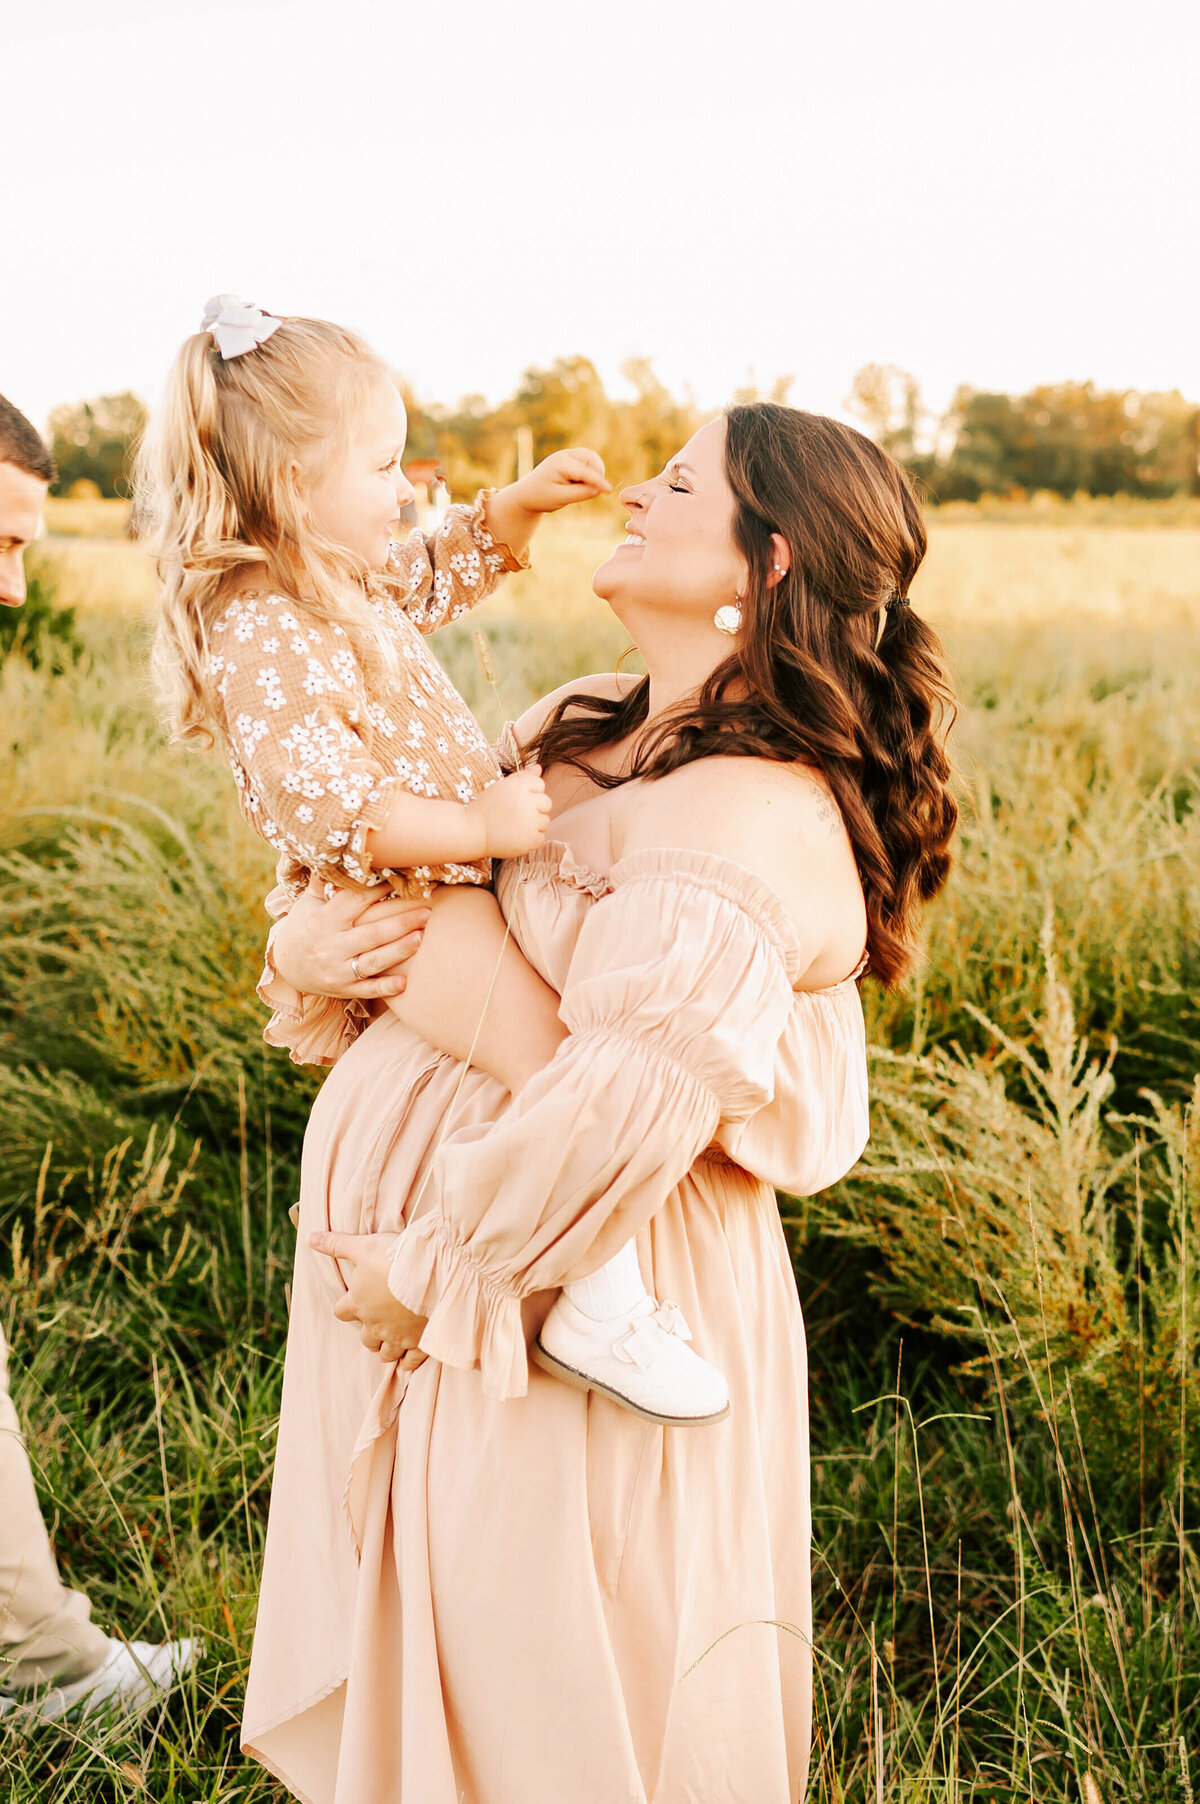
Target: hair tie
x,y
237,326
893,601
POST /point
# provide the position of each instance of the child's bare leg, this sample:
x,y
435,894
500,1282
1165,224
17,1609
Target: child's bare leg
x,y
466,986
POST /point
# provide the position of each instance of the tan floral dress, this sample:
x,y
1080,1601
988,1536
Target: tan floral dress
x,y
297,714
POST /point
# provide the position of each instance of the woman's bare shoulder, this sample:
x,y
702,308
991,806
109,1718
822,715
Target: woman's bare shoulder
x,y
612,685
720,804
779,821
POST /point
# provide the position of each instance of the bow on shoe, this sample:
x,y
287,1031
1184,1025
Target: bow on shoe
x,y
237,326
639,1346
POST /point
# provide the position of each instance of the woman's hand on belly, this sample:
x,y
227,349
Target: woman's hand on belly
x,y
385,1326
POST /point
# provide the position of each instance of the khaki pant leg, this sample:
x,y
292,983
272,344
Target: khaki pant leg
x,y
45,1630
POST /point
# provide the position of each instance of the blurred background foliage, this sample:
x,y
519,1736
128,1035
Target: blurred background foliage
x,y
1064,439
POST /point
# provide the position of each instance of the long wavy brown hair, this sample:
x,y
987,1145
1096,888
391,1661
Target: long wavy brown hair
x,y
812,679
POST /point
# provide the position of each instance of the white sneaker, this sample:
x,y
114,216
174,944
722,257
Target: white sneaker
x,y
639,1360
132,1677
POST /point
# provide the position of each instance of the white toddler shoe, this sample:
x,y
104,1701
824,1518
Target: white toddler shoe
x,y
133,1676
640,1360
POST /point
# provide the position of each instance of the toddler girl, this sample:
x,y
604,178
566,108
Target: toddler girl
x,y
292,625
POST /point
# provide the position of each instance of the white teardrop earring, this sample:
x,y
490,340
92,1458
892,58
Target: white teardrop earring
x,y
729,619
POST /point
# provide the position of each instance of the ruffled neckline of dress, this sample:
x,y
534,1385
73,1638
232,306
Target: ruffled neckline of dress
x,y
725,877
555,859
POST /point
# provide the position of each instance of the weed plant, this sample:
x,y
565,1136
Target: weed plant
x,y
41,631
1002,1301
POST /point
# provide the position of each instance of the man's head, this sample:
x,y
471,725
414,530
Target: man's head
x,y
26,471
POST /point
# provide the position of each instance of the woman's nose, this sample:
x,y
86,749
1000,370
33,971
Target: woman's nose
x,y
632,496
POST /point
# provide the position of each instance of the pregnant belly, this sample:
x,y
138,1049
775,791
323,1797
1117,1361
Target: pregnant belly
x,y
380,1116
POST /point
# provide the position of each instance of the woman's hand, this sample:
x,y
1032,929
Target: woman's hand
x,y
385,1326
315,946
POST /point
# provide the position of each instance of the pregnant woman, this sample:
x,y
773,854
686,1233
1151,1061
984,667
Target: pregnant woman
x,y
481,1585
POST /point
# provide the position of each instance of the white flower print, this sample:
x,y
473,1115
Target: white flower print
x,y
467,566
268,679
318,680
317,780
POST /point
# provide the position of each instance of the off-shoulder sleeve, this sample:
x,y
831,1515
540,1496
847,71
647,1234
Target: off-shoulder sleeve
x,y
676,998
287,700
448,572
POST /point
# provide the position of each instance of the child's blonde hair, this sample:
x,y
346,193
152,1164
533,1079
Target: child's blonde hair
x,y
216,495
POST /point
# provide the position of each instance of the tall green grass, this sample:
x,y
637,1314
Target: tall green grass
x,y
1003,1302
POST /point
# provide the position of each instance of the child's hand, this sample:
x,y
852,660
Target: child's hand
x,y
563,477
514,813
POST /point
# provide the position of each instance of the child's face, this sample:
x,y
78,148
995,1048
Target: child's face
x,y
355,499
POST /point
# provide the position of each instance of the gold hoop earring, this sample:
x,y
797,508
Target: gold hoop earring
x,y
729,619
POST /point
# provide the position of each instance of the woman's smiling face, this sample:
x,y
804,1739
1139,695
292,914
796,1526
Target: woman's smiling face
x,y
679,555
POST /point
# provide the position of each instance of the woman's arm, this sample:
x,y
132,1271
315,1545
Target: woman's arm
x,y
468,991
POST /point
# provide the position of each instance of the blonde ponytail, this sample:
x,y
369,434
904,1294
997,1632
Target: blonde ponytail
x,y
215,496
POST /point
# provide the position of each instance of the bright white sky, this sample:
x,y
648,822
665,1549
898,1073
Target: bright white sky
x,y
999,194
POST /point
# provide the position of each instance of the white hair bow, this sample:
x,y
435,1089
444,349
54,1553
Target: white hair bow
x,y
237,326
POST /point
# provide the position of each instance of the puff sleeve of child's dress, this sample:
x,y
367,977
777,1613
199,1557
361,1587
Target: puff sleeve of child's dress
x,y
448,572
288,698
677,998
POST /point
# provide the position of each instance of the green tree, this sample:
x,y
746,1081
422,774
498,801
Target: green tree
x,y
645,433
985,431
1068,437
95,440
475,445
563,405
1167,431
888,402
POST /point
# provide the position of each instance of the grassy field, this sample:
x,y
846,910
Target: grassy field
x,y
1003,1302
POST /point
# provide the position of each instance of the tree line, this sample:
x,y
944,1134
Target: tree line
x,y
1067,437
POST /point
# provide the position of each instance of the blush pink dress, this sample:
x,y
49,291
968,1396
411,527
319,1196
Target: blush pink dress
x,y
480,1585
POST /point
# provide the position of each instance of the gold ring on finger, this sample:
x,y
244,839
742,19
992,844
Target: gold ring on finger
x,y
358,976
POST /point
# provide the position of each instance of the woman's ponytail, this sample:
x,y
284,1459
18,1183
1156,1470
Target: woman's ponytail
x,y
906,775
